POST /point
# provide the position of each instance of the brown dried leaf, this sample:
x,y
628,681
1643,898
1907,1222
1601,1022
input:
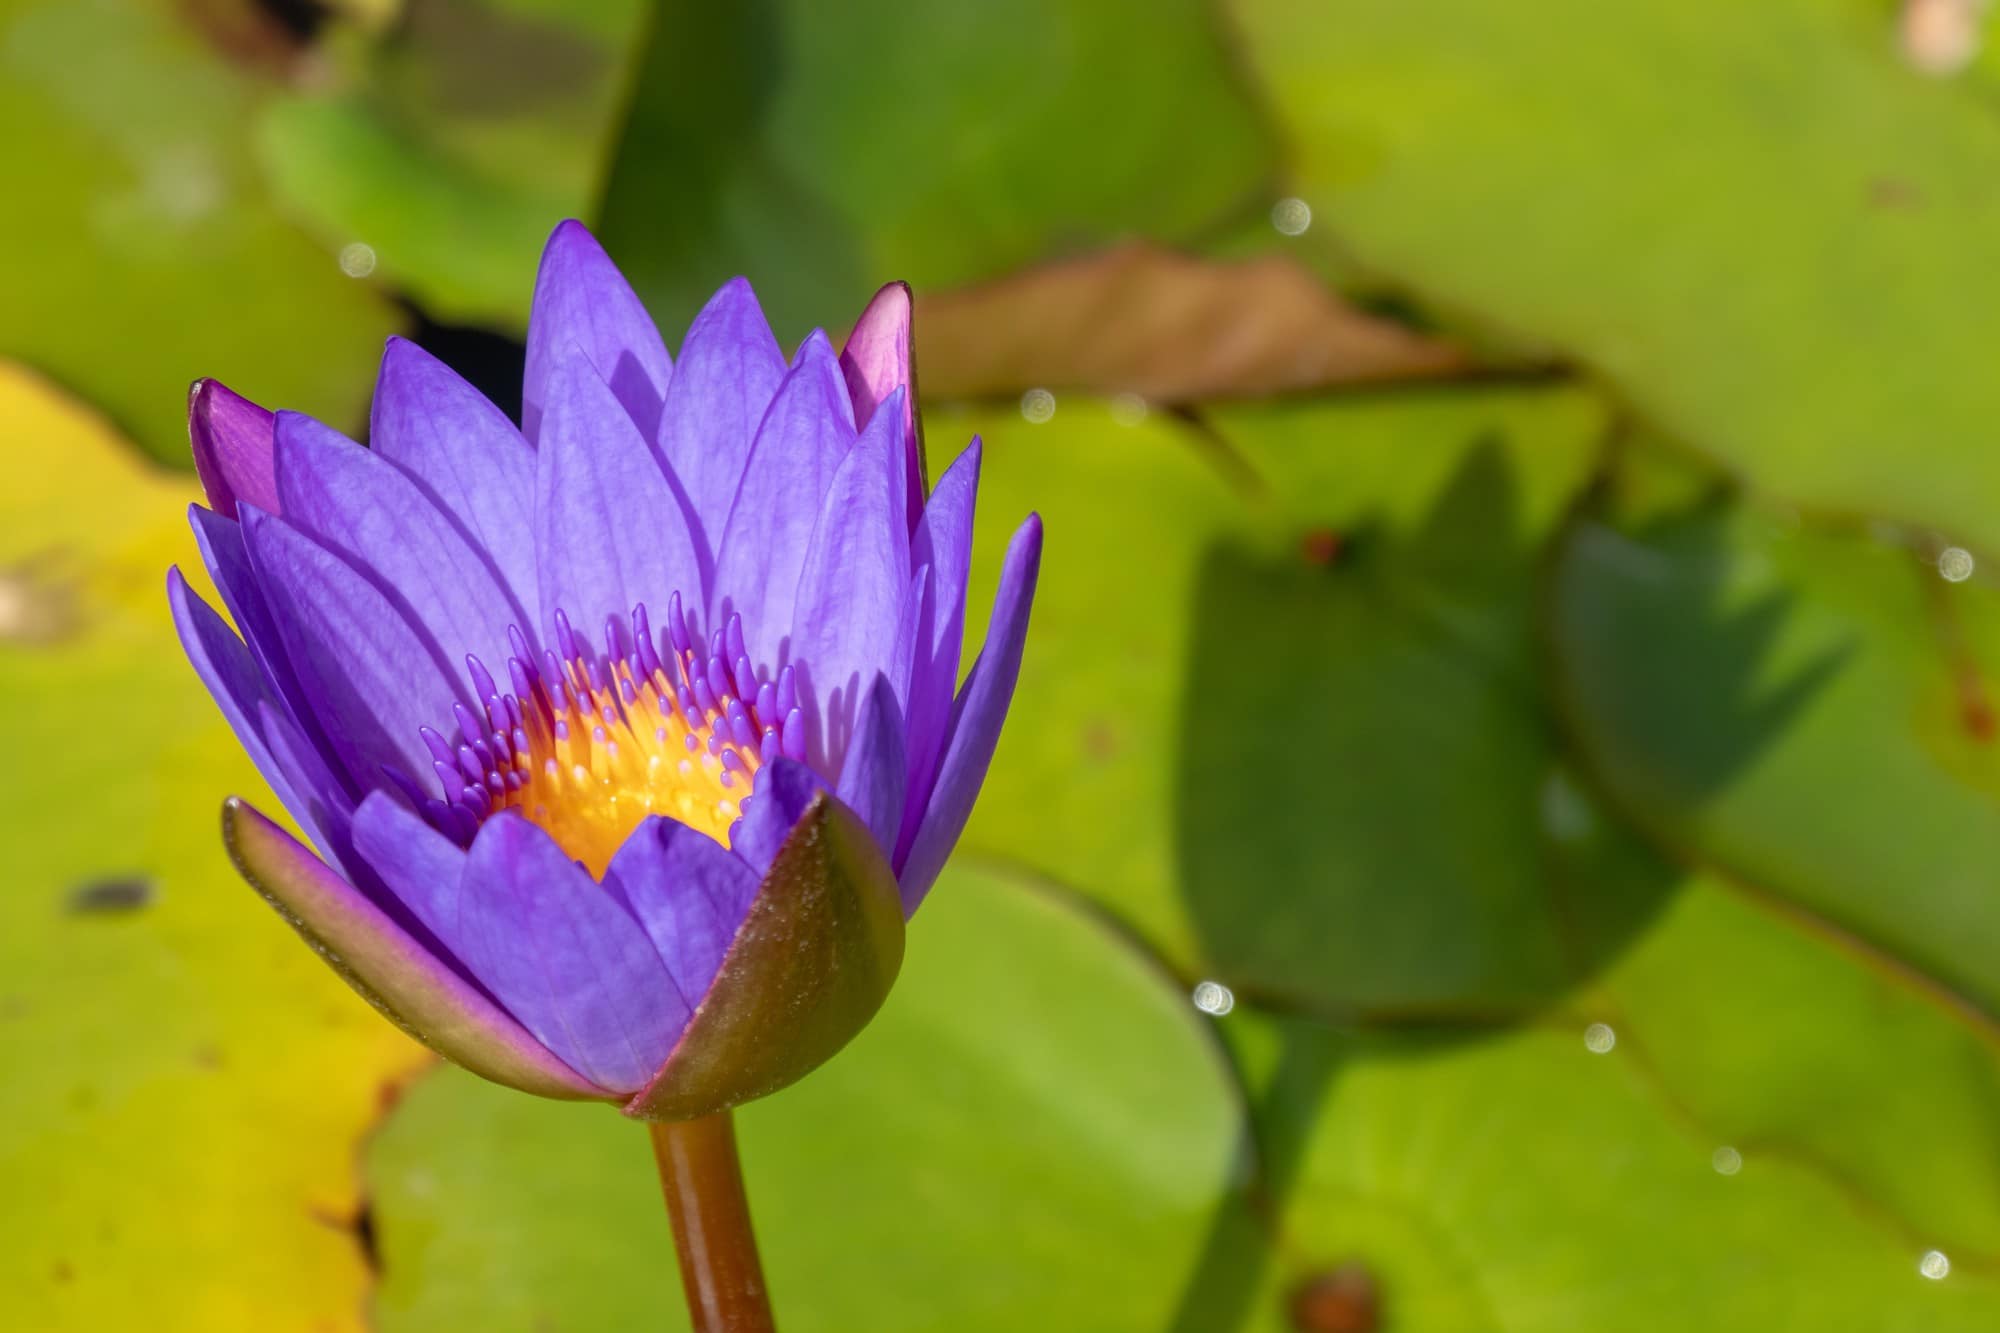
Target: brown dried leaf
x,y
1170,327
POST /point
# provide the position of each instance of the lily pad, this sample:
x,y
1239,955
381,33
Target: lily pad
x,y
1739,1124
1031,1088
829,149
450,142
147,252
1262,688
1805,710
186,1085
1760,221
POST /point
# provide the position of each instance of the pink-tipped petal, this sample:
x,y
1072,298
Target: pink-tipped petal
x,y
879,359
232,439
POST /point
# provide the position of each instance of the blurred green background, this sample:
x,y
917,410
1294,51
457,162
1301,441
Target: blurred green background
x,y
1500,828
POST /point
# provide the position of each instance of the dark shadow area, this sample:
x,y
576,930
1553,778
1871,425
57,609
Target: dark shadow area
x,y
1378,826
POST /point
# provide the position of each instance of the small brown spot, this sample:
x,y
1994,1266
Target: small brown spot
x,y
1889,192
208,1056
1341,1300
62,1272
1099,740
1321,547
112,895
38,602
1975,708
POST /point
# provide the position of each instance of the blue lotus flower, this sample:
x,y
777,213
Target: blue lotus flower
x,y
628,737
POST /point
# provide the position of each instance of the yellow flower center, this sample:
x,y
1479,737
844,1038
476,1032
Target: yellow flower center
x,y
588,748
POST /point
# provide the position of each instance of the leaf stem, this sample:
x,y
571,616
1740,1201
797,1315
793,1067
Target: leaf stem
x,y
703,1182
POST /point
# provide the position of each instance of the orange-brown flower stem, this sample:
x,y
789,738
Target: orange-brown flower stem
x,y
711,1217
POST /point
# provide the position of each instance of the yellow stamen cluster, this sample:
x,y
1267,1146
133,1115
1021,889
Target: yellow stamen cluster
x,y
599,761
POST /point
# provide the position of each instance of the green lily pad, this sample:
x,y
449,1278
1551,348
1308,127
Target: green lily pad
x,y
1805,710
1264,688
1739,1124
826,150
1759,220
148,251
1032,1133
453,141
186,1084
1787,1045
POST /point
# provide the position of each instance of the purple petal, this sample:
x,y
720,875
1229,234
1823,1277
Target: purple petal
x,y
877,361
785,787
873,780
328,816
582,299
609,531
943,544
851,592
418,991
562,956
466,456
977,717
730,368
369,678
565,957
220,541
358,504
234,682
231,437
808,430
689,892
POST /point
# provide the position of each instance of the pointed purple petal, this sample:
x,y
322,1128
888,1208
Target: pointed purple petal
x,y
419,992
565,957
610,533
231,437
851,592
943,543
220,541
808,430
466,456
689,892
785,787
976,720
358,504
368,677
234,682
877,361
582,299
730,368
560,954
873,780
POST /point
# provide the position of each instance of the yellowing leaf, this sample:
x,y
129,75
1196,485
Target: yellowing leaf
x,y
186,1086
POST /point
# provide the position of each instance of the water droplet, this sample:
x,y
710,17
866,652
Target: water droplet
x,y
1726,1161
1598,1038
1128,409
1291,216
357,260
1212,997
1955,563
1935,1266
1566,812
1038,405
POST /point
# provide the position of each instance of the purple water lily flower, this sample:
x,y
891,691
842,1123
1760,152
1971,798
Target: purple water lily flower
x,y
626,738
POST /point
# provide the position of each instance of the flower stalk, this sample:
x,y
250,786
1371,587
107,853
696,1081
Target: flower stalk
x,y
703,1182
